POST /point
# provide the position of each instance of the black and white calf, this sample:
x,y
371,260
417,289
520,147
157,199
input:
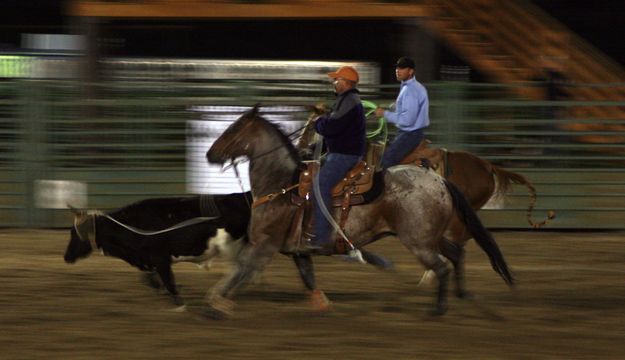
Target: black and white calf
x,y
152,234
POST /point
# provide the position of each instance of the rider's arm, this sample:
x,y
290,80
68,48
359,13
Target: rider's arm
x,y
412,110
336,122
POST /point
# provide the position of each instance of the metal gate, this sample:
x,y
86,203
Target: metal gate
x,y
129,142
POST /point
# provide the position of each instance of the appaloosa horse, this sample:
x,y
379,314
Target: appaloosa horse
x,y
478,179
417,205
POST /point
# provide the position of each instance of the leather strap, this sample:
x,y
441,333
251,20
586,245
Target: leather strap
x,y
263,199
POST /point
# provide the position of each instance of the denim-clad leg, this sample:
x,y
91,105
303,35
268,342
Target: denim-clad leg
x,y
334,170
404,143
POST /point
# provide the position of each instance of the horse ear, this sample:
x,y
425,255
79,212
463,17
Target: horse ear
x,y
255,110
320,109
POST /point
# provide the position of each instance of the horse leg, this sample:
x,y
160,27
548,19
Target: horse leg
x,y
249,263
376,260
432,261
318,299
455,253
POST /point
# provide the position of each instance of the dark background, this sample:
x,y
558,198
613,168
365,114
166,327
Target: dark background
x,y
599,22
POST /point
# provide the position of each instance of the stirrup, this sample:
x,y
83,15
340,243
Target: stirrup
x,y
305,245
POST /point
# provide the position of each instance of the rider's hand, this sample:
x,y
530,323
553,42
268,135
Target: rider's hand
x,y
379,112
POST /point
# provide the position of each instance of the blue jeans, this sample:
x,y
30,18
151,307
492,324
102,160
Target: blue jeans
x,y
404,143
333,171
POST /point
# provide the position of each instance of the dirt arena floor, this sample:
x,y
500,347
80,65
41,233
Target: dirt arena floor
x,y
569,304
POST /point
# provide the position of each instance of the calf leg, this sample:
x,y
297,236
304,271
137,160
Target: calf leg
x,y
151,279
163,268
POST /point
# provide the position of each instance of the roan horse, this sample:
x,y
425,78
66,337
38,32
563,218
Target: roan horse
x,y
476,178
417,205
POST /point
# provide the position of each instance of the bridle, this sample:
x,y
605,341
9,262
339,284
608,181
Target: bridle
x,y
235,139
233,164
90,235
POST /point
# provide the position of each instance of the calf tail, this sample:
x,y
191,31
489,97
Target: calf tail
x,y
481,235
505,179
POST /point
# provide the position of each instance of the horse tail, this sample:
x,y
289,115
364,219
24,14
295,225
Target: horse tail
x,y
482,236
505,179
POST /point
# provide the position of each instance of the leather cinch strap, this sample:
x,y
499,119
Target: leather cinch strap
x,y
263,199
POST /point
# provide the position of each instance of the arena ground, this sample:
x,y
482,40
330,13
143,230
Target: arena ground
x,y
569,304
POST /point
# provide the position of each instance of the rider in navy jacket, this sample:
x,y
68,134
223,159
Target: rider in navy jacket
x,y
344,128
344,134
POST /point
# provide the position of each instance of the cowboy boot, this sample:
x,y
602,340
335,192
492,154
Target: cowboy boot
x,y
309,245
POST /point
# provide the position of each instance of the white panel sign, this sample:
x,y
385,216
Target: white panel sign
x,y
57,194
205,178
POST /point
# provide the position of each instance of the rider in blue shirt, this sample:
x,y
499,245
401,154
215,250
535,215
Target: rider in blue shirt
x,y
410,115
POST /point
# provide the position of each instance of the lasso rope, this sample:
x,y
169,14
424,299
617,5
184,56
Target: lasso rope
x,y
183,224
370,107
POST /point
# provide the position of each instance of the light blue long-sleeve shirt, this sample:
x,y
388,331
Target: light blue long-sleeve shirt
x,y
411,108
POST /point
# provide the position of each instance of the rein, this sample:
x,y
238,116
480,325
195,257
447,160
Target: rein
x,y
233,163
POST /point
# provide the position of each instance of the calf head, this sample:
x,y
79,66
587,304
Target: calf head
x,y
82,238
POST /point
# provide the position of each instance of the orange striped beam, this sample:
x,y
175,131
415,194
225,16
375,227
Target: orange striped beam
x,y
224,10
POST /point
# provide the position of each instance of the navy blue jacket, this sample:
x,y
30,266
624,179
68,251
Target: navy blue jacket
x,y
344,129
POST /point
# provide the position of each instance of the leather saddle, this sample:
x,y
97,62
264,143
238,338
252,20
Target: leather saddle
x,y
349,191
359,186
422,155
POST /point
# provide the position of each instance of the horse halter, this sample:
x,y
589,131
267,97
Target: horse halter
x,y
236,138
84,225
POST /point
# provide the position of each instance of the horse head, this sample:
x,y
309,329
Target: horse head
x,y
236,140
308,136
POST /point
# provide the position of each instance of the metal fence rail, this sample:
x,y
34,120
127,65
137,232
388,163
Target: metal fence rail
x,y
128,142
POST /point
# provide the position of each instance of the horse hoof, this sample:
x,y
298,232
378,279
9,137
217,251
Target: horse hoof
x,y
218,308
179,309
427,279
465,295
177,300
211,313
320,302
439,310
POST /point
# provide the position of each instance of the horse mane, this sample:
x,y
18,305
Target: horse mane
x,y
285,139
